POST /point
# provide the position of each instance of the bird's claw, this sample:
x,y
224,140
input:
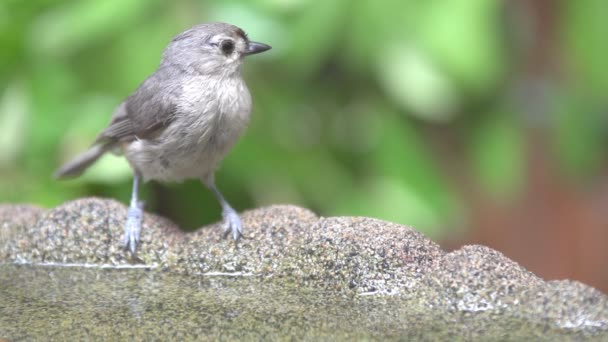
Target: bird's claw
x,y
133,226
232,224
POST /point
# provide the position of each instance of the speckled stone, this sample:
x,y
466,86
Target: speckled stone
x,y
68,303
351,254
86,231
477,278
570,304
292,248
362,255
268,233
14,218
15,222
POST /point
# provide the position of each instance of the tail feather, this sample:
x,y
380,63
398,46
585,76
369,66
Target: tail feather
x,y
76,166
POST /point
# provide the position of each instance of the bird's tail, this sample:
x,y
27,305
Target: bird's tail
x,y
76,166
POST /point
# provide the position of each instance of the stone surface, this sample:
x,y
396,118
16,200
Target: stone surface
x,y
70,303
570,304
15,218
351,254
478,278
289,250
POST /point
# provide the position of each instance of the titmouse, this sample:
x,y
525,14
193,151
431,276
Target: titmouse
x,y
182,120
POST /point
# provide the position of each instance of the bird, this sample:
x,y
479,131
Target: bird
x,y
182,120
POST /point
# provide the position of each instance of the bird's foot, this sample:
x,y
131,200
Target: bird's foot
x,y
232,223
133,226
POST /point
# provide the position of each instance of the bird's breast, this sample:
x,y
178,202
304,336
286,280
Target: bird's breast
x,y
211,115
216,110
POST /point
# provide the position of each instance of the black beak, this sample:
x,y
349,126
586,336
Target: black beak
x,y
253,48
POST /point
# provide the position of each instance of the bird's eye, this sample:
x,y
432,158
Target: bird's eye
x,y
227,46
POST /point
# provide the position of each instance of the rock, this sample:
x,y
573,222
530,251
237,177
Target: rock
x,y
86,231
478,278
571,304
15,220
268,234
291,247
348,254
361,254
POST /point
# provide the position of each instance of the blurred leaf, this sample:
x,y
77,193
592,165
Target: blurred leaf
x,y
375,24
400,159
314,33
581,141
585,33
81,23
416,84
497,147
133,56
462,36
53,87
14,120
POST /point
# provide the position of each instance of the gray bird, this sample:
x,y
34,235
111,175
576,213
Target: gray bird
x,y
182,120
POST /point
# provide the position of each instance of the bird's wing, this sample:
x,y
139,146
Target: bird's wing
x,y
149,109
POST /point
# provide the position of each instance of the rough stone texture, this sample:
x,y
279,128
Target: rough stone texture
x,y
85,231
569,303
344,253
361,254
91,304
15,218
291,246
478,278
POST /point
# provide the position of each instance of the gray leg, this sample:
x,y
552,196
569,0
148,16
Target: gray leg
x,y
134,217
232,221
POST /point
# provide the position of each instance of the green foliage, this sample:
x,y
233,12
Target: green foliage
x,y
343,102
584,32
497,147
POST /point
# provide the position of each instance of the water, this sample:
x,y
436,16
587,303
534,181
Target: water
x,y
75,303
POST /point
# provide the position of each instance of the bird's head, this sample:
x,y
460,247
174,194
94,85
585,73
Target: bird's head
x,y
209,49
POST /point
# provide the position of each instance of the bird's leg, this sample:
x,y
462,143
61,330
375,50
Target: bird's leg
x,y
232,221
134,217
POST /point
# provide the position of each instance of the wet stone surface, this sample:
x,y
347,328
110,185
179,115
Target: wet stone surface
x,y
295,275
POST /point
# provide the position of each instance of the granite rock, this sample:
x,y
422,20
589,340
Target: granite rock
x,y
292,246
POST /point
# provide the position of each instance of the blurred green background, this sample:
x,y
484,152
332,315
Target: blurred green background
x,y
472,120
